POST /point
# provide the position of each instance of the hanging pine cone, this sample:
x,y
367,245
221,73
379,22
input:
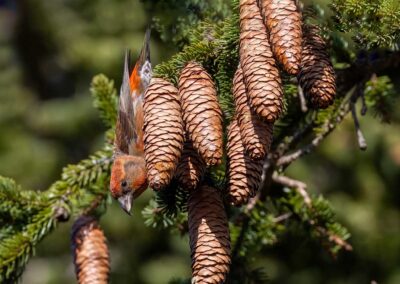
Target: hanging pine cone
x,y
283,21
317,76
260,73
191,167
244,173
209,236
201,112
90,252
163,132
256,134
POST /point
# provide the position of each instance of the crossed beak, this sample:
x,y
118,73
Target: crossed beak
x,y
126,202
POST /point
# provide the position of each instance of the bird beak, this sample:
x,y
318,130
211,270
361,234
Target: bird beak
x,y
126,202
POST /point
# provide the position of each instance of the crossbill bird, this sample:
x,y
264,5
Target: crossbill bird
x,y
128,172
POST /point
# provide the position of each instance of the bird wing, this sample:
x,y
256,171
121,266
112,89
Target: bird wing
x,y
129,130
124,131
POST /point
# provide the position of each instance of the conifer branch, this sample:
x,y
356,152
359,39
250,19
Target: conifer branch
x,y
105,99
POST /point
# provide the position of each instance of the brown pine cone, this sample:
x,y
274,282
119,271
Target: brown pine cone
x,y
201,112
209,236
244,173
256,134
283,21
261,75
90,252
163,132
191,167
316,76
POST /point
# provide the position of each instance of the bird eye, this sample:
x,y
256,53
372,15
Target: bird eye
x,y
124,183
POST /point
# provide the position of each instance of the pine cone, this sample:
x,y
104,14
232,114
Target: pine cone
x,y
244,173
191,168
164,135
316,76
90,252
263,82
209,236
283,21
201,112
256,134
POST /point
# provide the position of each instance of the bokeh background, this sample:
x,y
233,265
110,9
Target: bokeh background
x,y
50,50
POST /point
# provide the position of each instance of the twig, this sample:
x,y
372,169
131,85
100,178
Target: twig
x,y
252,203
95,203
303,103
362,143
364,107
296,184
333,238
359,92
284,146
283,217
286,160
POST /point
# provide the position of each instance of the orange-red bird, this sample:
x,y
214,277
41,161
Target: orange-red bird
x,y
128,173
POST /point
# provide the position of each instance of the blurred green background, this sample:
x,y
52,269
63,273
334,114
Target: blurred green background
x,y
50,50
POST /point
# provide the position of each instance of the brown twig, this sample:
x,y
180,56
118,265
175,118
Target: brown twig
x,y
333,238
252,203
296,184
95,203
358,93
362,143
303,103
331,124
283,217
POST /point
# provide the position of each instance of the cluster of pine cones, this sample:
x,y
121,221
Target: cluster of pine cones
x,y
184,130
184,136
183,126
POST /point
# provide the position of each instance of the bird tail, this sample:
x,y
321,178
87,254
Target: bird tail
x,y
142,72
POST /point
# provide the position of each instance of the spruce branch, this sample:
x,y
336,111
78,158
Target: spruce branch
x,y
16,249
87,171
105,98
319,218
373,23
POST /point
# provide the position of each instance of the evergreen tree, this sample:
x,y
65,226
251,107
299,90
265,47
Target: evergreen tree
x,y
209,35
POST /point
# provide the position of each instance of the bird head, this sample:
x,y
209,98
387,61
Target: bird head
x,y
128,180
